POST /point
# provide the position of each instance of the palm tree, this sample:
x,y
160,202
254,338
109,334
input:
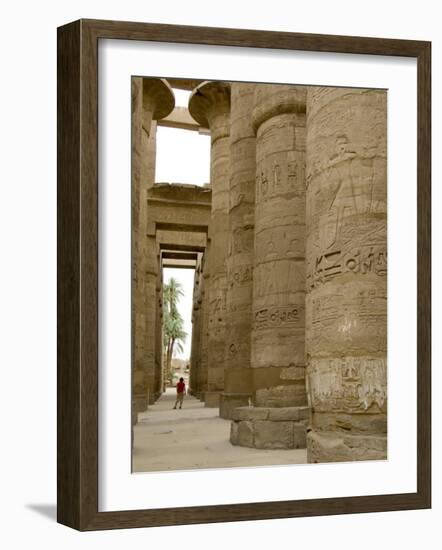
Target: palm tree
x,y
173,324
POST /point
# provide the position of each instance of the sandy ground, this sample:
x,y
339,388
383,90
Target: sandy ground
x,y
194,437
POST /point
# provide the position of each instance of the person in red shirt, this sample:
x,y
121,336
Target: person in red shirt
x,y
180,393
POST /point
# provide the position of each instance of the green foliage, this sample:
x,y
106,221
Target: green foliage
x,y
174,335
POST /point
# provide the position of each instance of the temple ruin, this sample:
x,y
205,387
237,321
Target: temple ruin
x,y
289,246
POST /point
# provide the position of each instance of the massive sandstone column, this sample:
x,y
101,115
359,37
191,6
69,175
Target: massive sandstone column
x,y
159,375
279,273
279,417
209,105
152,99
346,316
195,358
237,375
204,324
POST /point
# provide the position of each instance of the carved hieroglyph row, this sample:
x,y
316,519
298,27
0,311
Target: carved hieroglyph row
x,y
274,317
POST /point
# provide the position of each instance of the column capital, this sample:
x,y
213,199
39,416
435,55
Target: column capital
x,y
277,99
158,100
209,105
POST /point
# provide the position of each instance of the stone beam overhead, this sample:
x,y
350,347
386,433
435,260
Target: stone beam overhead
x,y
179,265
169,254
184,83
180,118
183,247
158,100
181,192
179,241
184,208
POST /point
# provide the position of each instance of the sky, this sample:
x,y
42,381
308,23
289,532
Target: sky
x,y
183,156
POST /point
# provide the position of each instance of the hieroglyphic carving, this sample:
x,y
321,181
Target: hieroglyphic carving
x,y
348,384
239,276
286,241
354,316
361,260
278,317
279,272
282,177
354,248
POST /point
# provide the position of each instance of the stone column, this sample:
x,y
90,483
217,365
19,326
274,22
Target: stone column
x,y
209,105
159,375
152,99
346,318
279,417
237,374
195,358
204,315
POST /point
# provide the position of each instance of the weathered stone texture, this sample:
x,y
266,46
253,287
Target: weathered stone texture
x,y
204,366
290,247
269,428
195,357
346,308
237,379
209,105
159,375
278,304
279,266
152,99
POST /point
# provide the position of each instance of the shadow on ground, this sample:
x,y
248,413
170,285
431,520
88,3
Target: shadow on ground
x,y
48,511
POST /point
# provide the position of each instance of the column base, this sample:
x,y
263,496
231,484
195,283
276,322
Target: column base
x,y
139,403
341,447
230,401
270,428
211,399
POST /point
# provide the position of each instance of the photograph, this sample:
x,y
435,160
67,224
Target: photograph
x,y
259,274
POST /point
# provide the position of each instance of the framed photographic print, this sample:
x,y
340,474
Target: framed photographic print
x,y
227,322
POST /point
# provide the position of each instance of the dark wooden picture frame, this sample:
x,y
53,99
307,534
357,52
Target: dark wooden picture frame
x,y
77,226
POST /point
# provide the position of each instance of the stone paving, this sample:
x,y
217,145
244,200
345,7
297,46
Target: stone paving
x,y
195,437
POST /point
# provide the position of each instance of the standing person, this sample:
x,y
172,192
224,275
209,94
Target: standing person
x,y
180,392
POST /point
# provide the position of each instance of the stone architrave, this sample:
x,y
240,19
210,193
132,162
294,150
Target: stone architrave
x,y
346,307
209,105
278,352
152,99
237,374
